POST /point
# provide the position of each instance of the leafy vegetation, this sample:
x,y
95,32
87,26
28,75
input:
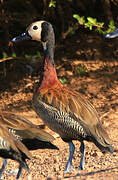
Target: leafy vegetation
x,y
63,80
91,23
26,56
81,70
4,55
61,14
13,55
37,55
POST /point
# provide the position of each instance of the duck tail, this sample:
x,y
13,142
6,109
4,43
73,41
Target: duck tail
x,y
102,140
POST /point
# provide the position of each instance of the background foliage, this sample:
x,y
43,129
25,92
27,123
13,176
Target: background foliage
x,y
67,16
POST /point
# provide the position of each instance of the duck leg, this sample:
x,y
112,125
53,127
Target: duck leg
x,y
82,160
5,161
21,166
69,163
19,172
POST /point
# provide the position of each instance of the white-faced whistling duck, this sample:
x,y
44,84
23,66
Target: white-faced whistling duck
x,y
31,135
112,34
63,110
12,148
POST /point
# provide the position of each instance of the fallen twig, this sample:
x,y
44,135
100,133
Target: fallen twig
x,y
12,58
6,59
26,86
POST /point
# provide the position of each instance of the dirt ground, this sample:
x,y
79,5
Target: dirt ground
x,y
99,83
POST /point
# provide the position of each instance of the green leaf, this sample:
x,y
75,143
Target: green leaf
x,y
52,4
112,23
80,20
14,55
99,30
27,56
63,80
4,55
38,54
87,25
92,20
81,69
101,24
76,16
90,27
111,26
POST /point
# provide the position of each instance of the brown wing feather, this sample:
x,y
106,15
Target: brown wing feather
x,y
24,127
67,100
12,142
23,148
7,136
12,120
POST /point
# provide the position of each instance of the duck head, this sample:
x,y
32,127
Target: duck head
x,y
112,34
41,31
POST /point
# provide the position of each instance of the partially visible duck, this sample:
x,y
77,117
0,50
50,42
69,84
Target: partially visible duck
x,y
112,34
31,135
12,148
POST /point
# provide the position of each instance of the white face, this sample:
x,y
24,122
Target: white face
x,y
35,29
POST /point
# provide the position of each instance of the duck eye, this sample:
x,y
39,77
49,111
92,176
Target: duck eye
x,y
35,27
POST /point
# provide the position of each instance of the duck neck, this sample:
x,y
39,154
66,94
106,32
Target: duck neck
x,y
48,76
49,51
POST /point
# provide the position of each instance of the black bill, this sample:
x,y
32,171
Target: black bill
x,y
22,37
